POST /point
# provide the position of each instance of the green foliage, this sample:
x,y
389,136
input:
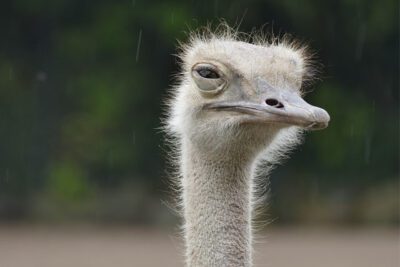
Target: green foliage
x,y
67,182
81,91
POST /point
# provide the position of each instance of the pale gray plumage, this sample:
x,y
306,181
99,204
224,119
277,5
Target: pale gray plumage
x,y
236,105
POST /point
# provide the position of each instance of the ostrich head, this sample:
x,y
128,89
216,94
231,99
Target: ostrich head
x,y
237,96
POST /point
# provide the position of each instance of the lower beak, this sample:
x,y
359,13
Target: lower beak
x,y
287,108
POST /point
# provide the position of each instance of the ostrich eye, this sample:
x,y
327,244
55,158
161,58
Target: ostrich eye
x,y
208,78
207,73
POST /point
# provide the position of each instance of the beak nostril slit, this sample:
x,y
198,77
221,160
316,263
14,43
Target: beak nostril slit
x,y
273,103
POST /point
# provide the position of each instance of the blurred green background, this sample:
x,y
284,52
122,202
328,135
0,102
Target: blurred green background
x,y
81,90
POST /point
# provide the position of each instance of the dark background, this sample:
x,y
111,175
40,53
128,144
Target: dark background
x,y
81,91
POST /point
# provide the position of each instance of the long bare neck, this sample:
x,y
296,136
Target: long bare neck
x,y
217,209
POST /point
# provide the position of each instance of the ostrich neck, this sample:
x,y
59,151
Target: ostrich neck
x,y
217,209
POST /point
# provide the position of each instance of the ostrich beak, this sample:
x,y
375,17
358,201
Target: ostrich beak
x,y
281,107
290,108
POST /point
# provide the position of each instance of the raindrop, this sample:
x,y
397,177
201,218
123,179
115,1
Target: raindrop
x,y
133,137
133,3
362,34
7,177
11,73
138,45
110,159
367,152
216,3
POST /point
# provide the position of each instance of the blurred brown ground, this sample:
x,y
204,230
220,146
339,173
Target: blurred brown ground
x,y
86,246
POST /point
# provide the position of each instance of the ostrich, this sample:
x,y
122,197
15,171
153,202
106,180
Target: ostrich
x,y
236,104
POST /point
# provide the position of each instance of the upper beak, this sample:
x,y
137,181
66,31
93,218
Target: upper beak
x,y
283,107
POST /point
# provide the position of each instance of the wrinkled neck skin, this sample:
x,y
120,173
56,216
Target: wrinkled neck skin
x,y
217,194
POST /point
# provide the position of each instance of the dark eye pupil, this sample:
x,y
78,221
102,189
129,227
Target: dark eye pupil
x,y
208,73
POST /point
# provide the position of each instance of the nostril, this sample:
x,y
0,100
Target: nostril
x,y
273,103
